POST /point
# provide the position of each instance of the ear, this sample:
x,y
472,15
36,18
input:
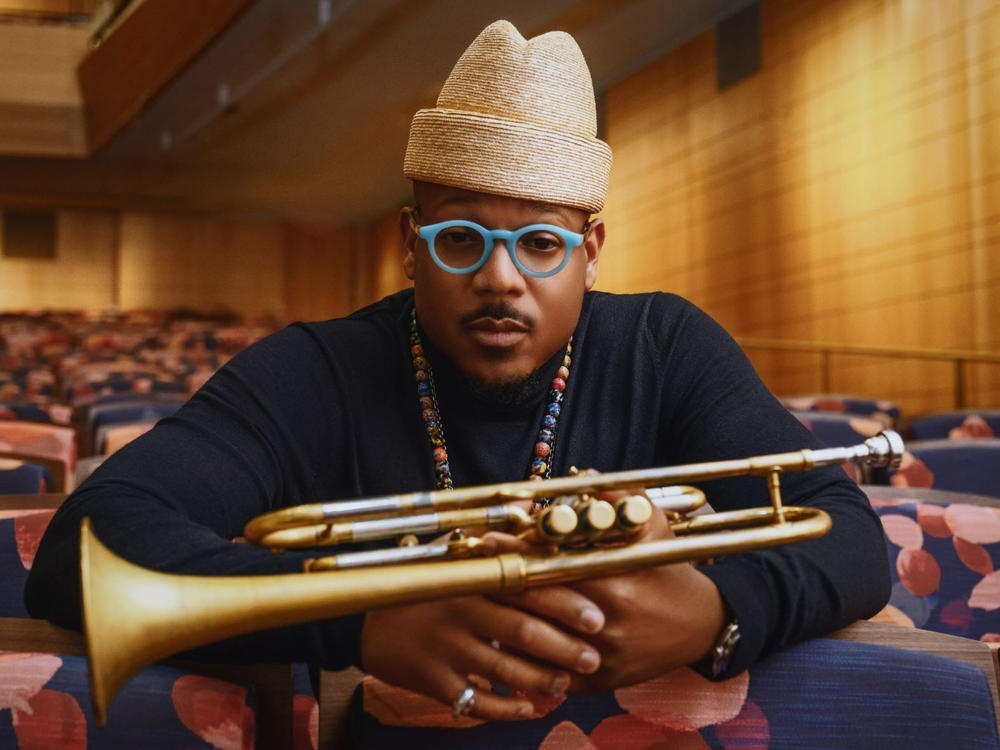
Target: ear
x,y
592,245
409,243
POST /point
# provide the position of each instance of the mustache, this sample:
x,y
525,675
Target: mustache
x,y
497,311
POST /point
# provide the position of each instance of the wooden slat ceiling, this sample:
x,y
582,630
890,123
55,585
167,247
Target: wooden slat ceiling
x,y
301,108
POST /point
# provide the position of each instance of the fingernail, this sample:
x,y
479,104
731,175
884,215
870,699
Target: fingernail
x,y
587,662
526,709
560,684
591,620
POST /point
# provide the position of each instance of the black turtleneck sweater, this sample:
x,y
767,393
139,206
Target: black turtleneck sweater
x,y
326,411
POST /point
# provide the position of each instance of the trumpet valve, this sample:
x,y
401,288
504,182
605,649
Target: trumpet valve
x,y
556,522
596,516
632,512
408,540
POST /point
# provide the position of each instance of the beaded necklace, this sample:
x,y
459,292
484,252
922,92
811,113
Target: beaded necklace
x,y
541,464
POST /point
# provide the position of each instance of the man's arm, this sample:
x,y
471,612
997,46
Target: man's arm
x,y
173,500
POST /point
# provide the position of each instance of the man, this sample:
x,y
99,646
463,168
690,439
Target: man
x,y
500,364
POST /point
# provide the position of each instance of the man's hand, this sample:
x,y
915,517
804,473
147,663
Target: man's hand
x,y
655,619
434,648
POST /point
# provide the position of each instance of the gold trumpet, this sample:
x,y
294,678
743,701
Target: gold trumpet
x,y
133,616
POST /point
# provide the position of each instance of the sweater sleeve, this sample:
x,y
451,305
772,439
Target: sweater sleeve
x,y
251,440
718,408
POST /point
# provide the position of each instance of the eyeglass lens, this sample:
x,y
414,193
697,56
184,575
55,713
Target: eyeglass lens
x,y
461,247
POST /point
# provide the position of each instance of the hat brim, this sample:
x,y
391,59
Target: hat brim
x,y
506,157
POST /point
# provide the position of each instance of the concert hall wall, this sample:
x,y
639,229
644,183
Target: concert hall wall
x,y
849,192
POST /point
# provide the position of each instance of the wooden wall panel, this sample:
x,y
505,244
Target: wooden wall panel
x,y
849,192
207,264
318,281
386,252
80,276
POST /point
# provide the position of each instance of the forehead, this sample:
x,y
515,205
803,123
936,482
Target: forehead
x,y
443,201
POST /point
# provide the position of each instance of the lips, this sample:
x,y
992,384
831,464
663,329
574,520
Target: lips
x,y
497,332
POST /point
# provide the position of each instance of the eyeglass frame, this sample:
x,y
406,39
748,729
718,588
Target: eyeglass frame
x,y
490,236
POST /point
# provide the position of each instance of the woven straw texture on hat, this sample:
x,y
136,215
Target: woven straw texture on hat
x,y
515,118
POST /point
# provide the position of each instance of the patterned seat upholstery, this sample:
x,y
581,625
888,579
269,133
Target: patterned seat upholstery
x,y
779,703
48,706
956,424
942,554
961,465
882,411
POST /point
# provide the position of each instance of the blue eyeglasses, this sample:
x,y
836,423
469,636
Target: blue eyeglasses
x,y
538,250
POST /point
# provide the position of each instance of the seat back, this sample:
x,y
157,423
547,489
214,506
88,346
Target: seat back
x,y
961,465
880,410
824,693
978,423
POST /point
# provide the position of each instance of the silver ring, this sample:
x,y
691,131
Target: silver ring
x,y
464,703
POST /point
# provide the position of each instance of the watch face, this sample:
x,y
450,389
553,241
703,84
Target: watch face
x,y
725,647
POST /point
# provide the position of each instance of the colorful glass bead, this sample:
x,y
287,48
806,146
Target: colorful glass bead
x,y
423,388
545,435
549,421
421,375
554,409
440,454
567,361
538,466
557,397
417,350
542,450
420,363
559,384
564,372
428,415
426,402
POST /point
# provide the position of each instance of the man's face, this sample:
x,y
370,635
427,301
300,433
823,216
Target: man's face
x,y
496,324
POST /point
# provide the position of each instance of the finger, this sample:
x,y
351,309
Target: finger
x,y
513,671
485,704
534,637
562,604
497,542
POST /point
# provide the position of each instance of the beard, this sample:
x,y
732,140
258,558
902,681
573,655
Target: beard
x,y
506,394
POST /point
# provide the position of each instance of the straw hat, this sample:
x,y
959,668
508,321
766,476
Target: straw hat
x,y
515,118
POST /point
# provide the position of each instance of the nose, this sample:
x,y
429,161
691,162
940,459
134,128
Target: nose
x,y
499,275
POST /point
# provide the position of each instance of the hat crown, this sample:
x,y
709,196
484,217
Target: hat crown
x,y
544,81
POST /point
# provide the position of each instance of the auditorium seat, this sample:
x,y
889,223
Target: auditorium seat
x,y
942,546
30,440
973,423
48,413
880,410
870,685
19,477
962,465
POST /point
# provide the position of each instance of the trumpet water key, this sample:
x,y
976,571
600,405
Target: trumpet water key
x,y
133,616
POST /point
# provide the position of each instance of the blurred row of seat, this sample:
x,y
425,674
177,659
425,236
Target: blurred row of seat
x,y
955,450
80,385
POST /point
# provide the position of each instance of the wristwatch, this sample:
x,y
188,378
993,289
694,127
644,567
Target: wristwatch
x,y
717,660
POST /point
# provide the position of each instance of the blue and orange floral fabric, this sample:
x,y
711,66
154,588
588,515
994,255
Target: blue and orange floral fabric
x,y
944,561
45,704
819,694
